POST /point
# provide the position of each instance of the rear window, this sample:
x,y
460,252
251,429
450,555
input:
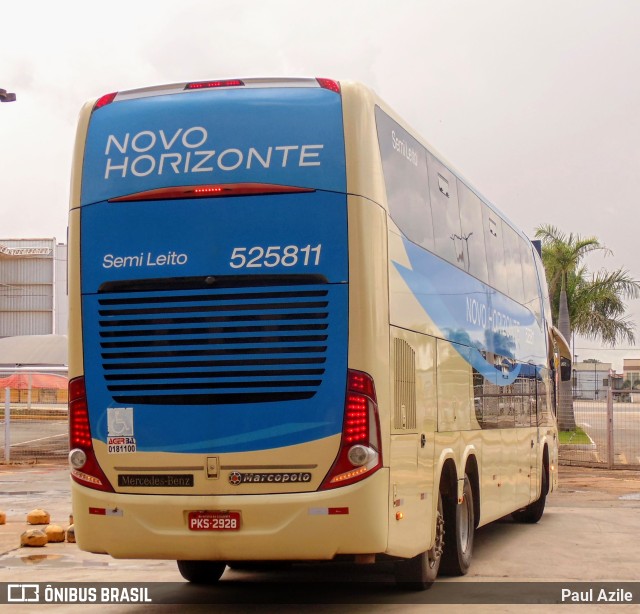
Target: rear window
x,y
273,135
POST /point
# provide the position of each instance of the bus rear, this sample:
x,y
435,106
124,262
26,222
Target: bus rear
x,y
213,413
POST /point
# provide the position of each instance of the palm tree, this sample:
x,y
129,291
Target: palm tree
x,y
590,305
596,306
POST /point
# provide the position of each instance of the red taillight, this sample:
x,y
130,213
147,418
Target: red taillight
x,y
79,430
203,191
329,84
361,382
360,452
356,424
103,101
203,85
89,474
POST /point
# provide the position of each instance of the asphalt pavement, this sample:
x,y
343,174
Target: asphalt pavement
x,y
589,533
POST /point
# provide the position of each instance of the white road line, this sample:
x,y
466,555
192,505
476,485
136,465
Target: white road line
x,y
22,443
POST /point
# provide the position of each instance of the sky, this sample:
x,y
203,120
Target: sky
x,y
535,103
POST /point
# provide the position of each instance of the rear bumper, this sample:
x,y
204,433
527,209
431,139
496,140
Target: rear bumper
x,y
299,526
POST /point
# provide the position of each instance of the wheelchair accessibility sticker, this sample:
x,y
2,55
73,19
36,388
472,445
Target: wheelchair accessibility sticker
x,y
120,438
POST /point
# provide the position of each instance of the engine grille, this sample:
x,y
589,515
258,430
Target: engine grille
x,y
214,345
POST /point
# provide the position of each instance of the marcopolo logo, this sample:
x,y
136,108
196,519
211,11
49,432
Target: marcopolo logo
x,y
236,478
190,150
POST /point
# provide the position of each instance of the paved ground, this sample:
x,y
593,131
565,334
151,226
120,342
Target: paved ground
x,y
589,533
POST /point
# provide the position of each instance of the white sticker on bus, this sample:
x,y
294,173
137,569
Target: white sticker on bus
x,y
120,421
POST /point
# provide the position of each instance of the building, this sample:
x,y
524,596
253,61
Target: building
x,y
631,373
33,287
631,379
591,380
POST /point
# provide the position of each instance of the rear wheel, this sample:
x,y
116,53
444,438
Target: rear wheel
x,y
459,527
201,572
420,572
533,512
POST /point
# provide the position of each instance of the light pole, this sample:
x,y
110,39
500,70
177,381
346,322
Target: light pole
x,y
7,96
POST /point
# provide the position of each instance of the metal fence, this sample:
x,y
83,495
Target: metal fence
x,y
611,430
34,423
34,415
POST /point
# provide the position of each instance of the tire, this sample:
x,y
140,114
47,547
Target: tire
x,y
533,512
420,572
459,532
201,572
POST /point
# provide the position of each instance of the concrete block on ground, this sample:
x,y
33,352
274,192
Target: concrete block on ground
x,y
55,533
33,538
38,516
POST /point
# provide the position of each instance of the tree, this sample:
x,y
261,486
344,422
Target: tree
x,y
7,96
590,305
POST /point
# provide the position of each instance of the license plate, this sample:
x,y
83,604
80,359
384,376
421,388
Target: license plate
x,y
214,521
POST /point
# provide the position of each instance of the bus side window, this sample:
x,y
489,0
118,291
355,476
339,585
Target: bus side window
x,y
406,180
473,240
531,292
495,249
513,264
443,191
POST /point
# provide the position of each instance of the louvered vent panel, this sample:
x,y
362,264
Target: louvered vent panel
x,y
213,346
405,386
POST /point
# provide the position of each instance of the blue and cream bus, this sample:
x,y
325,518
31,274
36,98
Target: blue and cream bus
x,y
296,333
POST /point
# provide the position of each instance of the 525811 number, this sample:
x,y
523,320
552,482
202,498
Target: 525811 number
x,y
275,255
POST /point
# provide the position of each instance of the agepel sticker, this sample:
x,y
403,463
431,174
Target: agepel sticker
x,y
120,430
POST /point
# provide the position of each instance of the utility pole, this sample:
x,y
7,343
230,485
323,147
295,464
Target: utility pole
x,y
6,96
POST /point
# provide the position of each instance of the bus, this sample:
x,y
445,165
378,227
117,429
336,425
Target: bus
x,y
297,334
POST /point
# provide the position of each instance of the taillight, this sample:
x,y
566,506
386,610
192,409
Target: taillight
x,y
79,431
208,191
103,101
84,466
360,452
329,84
